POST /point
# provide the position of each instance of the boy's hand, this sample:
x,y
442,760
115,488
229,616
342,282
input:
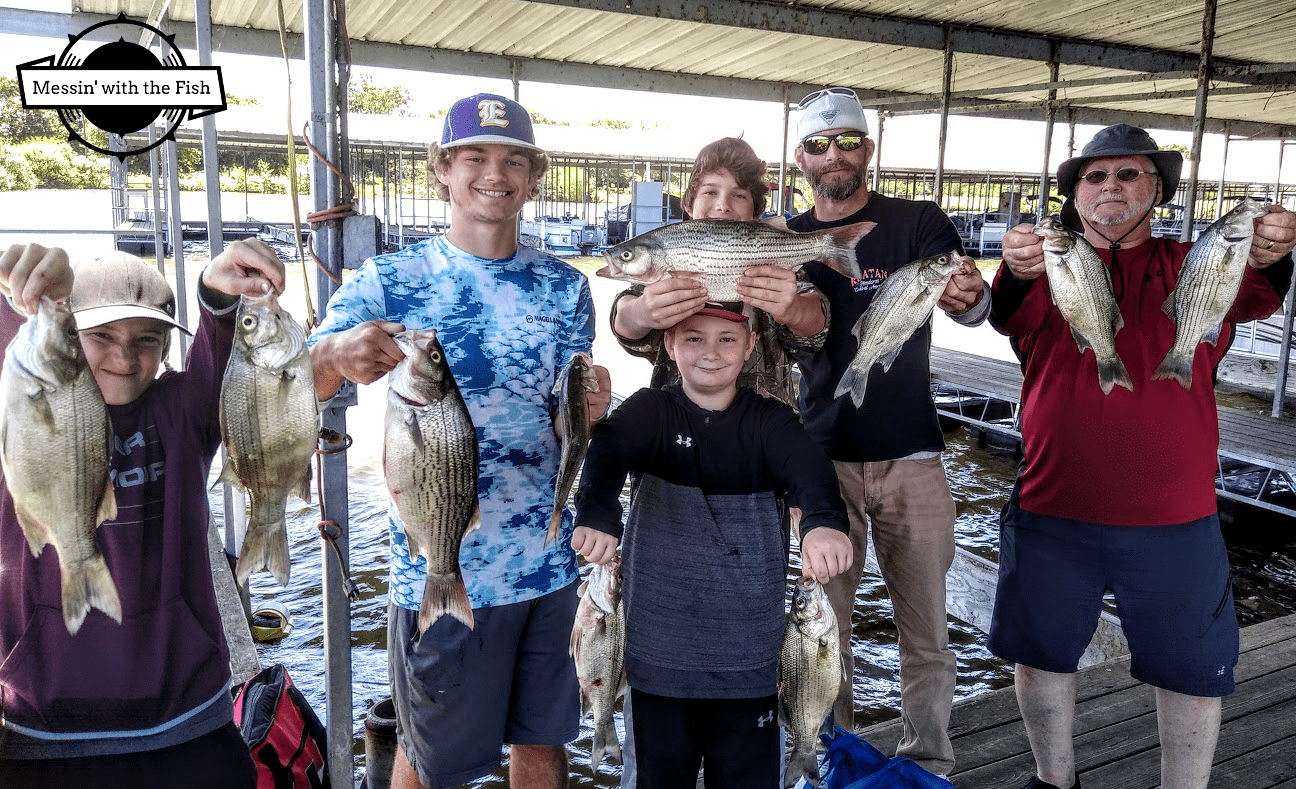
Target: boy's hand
x,y
598,402
31,271
772,289
824,553
596,546
247,267
663,304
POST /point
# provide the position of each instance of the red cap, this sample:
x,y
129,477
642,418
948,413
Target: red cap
x,y
731,311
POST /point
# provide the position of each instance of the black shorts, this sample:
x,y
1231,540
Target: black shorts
x,y
219,760
739,738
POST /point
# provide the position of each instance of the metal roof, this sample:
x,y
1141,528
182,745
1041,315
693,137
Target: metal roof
x,y
891,51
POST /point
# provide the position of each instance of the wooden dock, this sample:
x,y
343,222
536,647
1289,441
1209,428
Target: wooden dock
x,y
1116,731
1257,453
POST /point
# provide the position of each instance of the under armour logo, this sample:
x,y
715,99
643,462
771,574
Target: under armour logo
x,y
764,719
684,441
828,115
491,112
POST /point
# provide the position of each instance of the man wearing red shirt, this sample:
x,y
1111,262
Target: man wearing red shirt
x,y
1117,490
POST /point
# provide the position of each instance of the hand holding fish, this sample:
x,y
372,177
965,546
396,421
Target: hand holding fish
x,y
1275,235
248,267
598,401
824,553
31,271
361,354
965,289
1023,252
597,547
774,290
663,304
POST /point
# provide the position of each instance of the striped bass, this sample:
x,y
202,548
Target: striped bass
x,y
598,649
430,461
810,674
573,416
1208,284
716,251
55,446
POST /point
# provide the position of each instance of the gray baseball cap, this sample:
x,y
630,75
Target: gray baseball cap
x,y
118,286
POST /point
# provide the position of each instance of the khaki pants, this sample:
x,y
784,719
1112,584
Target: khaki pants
x,y
911,511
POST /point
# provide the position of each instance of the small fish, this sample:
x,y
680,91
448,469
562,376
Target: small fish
x,y
270,424
430,461
1208,284
903,303
573,415
1082,291
598,648
55,446
810,674
716,251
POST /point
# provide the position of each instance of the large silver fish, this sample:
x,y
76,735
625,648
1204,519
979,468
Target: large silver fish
x,y
717,250
810,674
1208,284
430,459
598,648
55,446
903,303
1082,291
270,424
573,415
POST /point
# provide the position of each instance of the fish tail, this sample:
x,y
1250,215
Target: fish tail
x,y
801,763
263,550
605,741
854,382
839,251
89,585
1177,367
555,525
1112,372
444,594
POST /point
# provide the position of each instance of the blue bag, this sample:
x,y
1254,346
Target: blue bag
x,y
854,764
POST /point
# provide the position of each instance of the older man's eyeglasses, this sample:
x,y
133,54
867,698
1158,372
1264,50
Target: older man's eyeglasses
x,y
846,141
1126,174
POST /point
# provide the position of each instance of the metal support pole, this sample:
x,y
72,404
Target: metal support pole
x,y
1219,193
175,231
780,201
1282,144
1199,119
514,68
948,83
1284,350
211,164
877,152
1070,135
1050,113
324,193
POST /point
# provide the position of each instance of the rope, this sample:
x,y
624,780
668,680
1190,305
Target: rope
x,y
292,172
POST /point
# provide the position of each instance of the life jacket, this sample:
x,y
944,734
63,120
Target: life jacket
x,y
287,740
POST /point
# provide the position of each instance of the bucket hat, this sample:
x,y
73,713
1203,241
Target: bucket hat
x,y
487,118
830,108
1119,140
118,286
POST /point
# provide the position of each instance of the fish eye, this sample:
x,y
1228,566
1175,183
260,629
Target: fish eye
x,y
435,356
249,321
627,255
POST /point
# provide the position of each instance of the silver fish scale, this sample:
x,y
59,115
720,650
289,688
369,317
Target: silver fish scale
x,y
598,650
1081,289
430,461
810,672
573,415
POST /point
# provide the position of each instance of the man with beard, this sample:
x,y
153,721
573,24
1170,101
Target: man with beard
x,y
1117,490
887,452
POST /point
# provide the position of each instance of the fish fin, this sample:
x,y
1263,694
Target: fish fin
x,y
1168,306
107,505
474,522
573,644
840,252
263,551
40,404
1081,342
303,492
444,594
410,421
801,763
35,532
605,741
1112,372
412,541
228,475
89,586
555,525
1212,336
1176,367
888,358
854,382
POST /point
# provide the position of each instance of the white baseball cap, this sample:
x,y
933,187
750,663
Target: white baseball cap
x,y
830,108
118,286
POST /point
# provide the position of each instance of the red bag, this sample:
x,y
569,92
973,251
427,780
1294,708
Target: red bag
x,y
287,740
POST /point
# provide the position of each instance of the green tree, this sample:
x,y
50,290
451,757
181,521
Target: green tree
x,y
1183,149
372,98
19,123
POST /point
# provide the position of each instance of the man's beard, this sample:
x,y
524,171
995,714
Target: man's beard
x,y
1130,212
838,189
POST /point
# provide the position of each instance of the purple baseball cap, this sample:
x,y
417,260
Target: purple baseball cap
x,y
487,118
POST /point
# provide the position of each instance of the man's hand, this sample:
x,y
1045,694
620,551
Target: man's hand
x,y
965,289
361,354
597,547
824,553
663,304
1023,252
1275,235
31,271
247,267
598,402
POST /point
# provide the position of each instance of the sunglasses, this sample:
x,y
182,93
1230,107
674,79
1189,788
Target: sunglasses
x,y
818,94
1123,174
846,141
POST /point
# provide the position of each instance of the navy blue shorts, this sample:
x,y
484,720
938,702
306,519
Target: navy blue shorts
x,y
461,694
1172,589
738,738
